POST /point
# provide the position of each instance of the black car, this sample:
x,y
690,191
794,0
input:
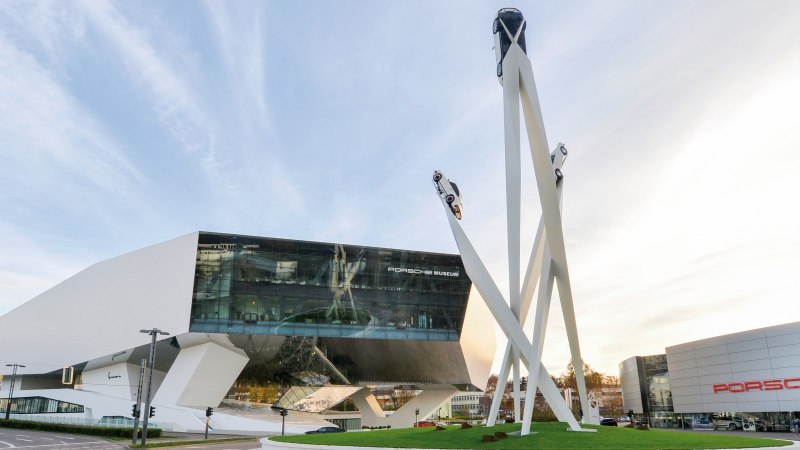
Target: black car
x,y
508,20
326,430
608,421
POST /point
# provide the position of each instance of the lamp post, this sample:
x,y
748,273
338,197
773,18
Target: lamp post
x,y
154,334
416,416
11,388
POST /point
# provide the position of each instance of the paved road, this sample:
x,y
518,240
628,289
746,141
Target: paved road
x,y
43,440
29,439
244,445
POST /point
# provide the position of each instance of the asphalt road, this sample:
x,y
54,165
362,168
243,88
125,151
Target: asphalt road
x,y
44,440
29,439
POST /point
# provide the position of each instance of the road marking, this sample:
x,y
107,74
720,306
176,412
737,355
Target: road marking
x,y
9,445
63,437
26,440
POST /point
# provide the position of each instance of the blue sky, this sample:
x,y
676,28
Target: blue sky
x,y
124,124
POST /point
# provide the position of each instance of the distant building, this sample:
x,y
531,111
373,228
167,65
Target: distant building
x,y
467,404
748,380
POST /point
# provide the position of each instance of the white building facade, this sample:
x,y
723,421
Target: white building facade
x,y
751,377
251,311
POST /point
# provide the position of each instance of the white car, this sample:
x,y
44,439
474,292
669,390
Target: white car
x,y
449,192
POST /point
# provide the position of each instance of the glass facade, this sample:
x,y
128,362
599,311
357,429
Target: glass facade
x,y
256,285
659,395
39,405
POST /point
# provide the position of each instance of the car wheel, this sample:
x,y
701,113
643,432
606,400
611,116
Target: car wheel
x,y
449,199
731,426
437,176
564,150
559,175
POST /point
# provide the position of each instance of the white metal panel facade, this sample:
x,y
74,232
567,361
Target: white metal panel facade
x,y
752,371
631,386
101,309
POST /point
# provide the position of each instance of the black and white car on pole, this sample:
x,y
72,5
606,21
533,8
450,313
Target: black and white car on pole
x,y
449,192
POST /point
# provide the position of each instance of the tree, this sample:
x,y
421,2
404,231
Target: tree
x,y
594,380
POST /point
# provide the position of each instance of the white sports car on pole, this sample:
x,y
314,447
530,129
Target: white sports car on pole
x,y
449,192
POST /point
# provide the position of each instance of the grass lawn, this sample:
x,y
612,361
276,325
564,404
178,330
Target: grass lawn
x,y
550,435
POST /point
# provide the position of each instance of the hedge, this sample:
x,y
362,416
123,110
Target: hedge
x,y
77,429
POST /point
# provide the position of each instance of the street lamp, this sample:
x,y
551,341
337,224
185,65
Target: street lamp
x,y
147,410
11,388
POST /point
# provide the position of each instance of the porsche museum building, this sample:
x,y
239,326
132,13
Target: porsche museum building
x,y
748,381
305,325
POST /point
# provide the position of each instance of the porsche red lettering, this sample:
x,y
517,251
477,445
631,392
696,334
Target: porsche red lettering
x,y
792,383
752,386
765,385
736,387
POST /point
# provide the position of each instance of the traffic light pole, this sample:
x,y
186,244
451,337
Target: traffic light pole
x,y
284,413
137,407
147,412
209,413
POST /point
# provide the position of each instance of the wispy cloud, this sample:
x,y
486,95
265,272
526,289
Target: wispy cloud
x,y
174,100
56,158
326,122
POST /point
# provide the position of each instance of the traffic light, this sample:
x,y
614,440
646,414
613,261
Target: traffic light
x,y
135,411
209,411
284,412
152,411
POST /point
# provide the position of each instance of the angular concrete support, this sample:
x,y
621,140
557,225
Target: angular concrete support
x,y
200,376
427,401
371,413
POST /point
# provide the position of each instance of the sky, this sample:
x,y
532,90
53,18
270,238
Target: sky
x,y
125,124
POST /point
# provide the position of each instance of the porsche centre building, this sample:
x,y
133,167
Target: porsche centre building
x,y
249,317
748,380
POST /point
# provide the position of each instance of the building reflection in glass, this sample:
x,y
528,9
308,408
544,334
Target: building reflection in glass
x,y
254,285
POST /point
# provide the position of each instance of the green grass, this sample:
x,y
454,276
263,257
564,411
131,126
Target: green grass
x,y
551,435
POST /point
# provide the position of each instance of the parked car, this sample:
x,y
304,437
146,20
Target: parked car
x,y
762,425
449,191
728,423
608,421
703,424
326,430
426,423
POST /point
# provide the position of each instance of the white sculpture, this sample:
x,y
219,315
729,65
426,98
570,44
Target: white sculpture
x,y
548,260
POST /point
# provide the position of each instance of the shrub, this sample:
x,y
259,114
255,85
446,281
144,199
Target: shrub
x,y
76,429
